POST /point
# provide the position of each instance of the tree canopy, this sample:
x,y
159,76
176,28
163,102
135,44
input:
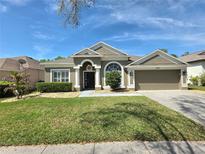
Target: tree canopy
x,y
186,53
57,58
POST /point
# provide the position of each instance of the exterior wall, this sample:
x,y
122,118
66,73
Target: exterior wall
x,y
48,73
99,62
4,74
157,79
96,60
195,69
34,75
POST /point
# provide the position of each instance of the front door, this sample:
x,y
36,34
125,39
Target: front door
x,y
89,80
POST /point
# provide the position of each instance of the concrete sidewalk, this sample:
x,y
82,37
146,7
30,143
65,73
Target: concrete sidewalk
x,y
92,93
135,147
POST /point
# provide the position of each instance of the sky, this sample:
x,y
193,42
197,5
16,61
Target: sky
x,y
138,27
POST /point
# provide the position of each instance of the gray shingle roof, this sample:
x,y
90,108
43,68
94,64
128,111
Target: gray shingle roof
x,y
12,64
197,56
134,58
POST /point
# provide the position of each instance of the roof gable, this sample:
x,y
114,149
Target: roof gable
x,y
107,50
158,57
87,53
158,60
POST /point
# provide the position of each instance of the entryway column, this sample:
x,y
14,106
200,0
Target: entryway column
x,y
77,78
97,78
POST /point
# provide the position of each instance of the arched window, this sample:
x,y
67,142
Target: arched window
x,y
113,67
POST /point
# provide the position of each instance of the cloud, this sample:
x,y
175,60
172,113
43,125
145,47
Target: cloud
x,y
17,2
42,51
3,8
190,38
51,6
42,36
160,14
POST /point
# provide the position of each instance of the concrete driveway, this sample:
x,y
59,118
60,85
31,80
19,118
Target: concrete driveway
x,y
189,103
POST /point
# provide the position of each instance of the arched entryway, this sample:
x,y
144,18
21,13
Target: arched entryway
x,y
87,75
88,72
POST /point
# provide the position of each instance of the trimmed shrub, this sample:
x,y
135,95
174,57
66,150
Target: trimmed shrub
x,y
194,80
113,79
202,79
53,87
4,89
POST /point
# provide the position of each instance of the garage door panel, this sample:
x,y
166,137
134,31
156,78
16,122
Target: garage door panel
x,y
157,80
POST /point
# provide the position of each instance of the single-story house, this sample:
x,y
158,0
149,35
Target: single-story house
x,y
87,69
22,64
196,63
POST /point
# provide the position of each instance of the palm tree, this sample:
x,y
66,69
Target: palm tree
x,y
70,10
20,82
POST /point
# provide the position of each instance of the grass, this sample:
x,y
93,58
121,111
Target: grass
x,y
80,120
202,88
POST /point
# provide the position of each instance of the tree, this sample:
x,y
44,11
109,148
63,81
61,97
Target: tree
x,y
44,60
113,79
185,53
165,50
174,55
202,79
59,57
70,10
20,82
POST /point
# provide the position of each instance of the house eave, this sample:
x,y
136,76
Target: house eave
x,y
157,67
85,56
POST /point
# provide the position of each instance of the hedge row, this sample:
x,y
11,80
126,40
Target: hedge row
x,y
53,87
3,86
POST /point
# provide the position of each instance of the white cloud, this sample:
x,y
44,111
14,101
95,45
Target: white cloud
x,y
42,36
42,51
51,6
193,38
17,2
3,8
152,13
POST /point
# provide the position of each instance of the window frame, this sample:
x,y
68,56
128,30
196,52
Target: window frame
x,y
122,74
129,79
112,70
59,70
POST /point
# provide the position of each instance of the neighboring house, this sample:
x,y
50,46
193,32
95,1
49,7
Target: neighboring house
x,y
19,64
87,69
196,63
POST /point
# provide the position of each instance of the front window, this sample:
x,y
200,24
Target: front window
x,y
60,75
113,67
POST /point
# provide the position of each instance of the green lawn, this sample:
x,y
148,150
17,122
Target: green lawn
x,y
80,120
202,88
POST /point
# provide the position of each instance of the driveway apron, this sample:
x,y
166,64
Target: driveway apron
x,y
189,103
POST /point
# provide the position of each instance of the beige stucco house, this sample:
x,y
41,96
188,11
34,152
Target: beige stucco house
x,y
29,65
196,63
87,69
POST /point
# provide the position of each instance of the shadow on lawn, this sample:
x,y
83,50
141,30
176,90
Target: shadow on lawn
x,y
160,124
